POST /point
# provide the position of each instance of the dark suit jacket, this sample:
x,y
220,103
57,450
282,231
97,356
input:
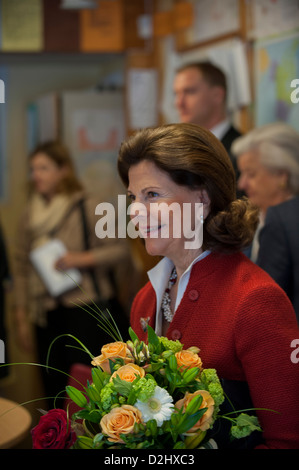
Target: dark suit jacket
x,y
228,138
279,248
227,141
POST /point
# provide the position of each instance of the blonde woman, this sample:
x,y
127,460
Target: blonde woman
x,y
59,208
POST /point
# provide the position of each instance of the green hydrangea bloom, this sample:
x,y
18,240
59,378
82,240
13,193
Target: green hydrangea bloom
x,y
211,382
174,346
144,388
217,393
209,376
107,394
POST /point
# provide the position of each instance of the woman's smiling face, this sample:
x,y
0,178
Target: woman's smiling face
x,y
150,187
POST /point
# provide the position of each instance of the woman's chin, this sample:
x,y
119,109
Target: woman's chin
x,y
153,247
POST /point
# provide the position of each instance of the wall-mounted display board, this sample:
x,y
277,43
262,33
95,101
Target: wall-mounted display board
x,y
254,19
21,25
172,20
212,21
276,66
272,18
111,27
142,91
44,26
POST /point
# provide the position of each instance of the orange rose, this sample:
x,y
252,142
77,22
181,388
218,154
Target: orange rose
x,y
120,420
128,372
187,359
208,402
112,351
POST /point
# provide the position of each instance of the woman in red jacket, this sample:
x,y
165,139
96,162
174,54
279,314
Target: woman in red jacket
x,y
209,294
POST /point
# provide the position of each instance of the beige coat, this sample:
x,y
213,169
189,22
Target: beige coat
x,y
30,292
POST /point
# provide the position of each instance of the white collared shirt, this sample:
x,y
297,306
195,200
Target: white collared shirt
x,y
221,129
159,278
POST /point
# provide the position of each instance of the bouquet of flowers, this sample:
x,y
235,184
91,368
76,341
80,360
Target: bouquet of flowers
x,y
153,395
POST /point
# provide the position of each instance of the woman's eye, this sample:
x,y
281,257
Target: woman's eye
x,y
152,194
131,197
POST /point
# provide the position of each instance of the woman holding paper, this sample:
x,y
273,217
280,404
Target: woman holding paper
x,y
60,213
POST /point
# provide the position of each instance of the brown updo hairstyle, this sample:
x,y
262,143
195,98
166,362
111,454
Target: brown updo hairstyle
x,y
60,155
194,157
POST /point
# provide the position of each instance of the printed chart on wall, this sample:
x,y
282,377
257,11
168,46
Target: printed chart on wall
x,y
212,19
276,65
93,128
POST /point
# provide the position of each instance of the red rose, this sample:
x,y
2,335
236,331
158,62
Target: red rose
x,y
53,431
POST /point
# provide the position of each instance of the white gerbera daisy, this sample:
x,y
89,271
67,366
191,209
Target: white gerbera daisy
x,y
159,406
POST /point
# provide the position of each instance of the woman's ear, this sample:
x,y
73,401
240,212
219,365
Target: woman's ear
x,y
204,198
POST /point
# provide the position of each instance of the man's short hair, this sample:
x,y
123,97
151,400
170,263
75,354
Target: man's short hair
x,y
211,73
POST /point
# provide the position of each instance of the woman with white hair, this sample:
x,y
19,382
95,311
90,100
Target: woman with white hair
x,y
268,159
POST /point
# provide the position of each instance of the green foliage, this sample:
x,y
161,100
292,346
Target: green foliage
x,y
168,344
209,381
76,396
244,426
108,396
144,387
153,340
121,386
159,362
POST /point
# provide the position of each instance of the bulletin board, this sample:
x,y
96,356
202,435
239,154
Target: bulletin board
x,y
142,95
272,19
44,26
93,127
276,65
212,21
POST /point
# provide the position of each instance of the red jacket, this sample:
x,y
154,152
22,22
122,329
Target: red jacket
x,y
244,324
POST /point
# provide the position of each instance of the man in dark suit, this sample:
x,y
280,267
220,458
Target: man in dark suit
x,y
200,98
279,248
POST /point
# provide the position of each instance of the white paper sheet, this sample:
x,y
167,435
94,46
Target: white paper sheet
x,y
44,258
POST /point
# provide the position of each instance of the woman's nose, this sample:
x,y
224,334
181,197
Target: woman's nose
x,y
241,183
137,209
